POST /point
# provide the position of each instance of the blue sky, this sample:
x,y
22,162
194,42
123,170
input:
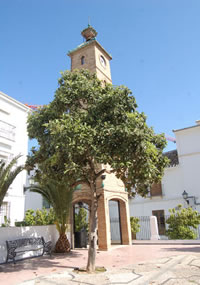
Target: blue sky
x,y
155,45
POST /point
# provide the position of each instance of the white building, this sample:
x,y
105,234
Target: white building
x,y
34,200
182,174
13,141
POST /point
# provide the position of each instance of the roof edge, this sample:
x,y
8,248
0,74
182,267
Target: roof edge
x,y
86,44
178,130
14,101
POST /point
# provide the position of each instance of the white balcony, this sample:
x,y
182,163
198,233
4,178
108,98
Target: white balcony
x,y
7,131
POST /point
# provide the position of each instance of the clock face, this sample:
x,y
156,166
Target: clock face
x,y
102,61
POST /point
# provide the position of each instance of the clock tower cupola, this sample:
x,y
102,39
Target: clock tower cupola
x,y
92,56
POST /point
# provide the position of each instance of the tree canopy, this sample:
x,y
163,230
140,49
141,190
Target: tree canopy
x,y
89,124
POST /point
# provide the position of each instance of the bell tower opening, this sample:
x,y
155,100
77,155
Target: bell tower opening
x,y
82,60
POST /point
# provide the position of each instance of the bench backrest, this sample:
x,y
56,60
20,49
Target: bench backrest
x,y
24,242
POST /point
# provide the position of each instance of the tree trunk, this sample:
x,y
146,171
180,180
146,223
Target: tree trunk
x,y
1,198
92,233
62,244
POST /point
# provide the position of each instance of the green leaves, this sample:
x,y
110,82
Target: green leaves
x,y
88,123
182,223
8,173
38,218
135,227
59,196
81,220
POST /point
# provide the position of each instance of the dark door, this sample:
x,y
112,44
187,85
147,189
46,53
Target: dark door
x,y
160,214
115,226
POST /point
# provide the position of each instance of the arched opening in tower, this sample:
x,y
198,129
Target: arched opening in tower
x,y
115,222
81,224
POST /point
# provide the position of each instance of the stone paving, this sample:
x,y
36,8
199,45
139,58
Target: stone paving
x,y
175,270
137,264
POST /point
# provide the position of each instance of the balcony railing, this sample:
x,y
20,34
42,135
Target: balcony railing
x,y
4,212
7,131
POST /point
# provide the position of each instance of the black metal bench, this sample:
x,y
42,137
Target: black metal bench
x,y
22,245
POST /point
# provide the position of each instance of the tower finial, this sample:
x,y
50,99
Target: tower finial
x,y
89,33
89,21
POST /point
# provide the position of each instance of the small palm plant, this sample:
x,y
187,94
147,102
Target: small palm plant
x,y
8,173
59,196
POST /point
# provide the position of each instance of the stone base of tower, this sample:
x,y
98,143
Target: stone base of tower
x,y
104,237
104,232
104,229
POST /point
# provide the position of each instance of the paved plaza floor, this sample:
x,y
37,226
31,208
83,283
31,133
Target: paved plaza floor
x,y
137,264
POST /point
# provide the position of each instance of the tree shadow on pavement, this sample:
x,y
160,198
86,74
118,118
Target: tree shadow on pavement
x,y
56,261
195,249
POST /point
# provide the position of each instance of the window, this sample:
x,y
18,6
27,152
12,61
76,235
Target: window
x,y
156,189
45,204
5,145
82,60
7,131
104,83
4,212
160,215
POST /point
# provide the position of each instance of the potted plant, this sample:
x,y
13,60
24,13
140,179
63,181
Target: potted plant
x,y
135,227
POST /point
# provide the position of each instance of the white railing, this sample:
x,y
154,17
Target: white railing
x,y
7,131
4,212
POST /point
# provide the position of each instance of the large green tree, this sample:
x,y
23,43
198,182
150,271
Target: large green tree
x,y
88,125
8,173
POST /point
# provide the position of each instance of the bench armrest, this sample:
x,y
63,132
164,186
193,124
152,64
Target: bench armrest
x,y
48,247
11,254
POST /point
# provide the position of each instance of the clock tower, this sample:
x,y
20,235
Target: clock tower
x,y
92,56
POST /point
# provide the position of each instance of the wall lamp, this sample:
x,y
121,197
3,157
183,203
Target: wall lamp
x,y
30,183
186,197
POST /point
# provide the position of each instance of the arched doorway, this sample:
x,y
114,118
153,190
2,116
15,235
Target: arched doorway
x,y
81,212
104,231
115,222
119,221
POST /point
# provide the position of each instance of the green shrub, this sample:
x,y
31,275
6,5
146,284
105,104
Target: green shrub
x,y
20,224
44,217
182,223
37,218
135,227
6,222
29,218
81,220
